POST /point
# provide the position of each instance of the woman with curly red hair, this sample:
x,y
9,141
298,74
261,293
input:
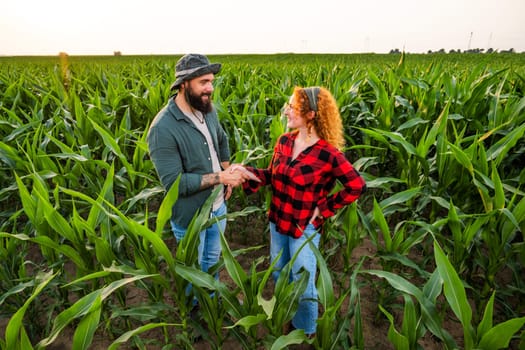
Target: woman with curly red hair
x,y
307,162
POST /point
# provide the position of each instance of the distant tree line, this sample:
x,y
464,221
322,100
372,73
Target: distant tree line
x,y
490,50
393,51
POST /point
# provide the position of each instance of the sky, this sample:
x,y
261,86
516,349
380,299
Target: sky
x,y
150,27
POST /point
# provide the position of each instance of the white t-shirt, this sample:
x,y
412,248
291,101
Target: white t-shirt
x,y
201,125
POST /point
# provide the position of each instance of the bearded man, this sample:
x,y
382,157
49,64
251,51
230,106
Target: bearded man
x,y
185,138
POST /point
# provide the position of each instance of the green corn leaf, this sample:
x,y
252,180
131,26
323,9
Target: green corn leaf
x,y
486,323
197,277
57,221
442,159
482,162
462,158
328,331
516,112
130,226
500,335
249,321
267,305
379,218
375,134
359,339
439,128
85,330
399,340
47,242
144,313
18,288
10,156
399,139
83,306
410,326
235,270
325,286
400,197
499,193
288,294
268,274
294,337
103,252
501,148
113,145
96,214
145,195
15,334
134,332
518,212
505,235
455,294
187,248
165,210
411,123
383,104
472,229
27,202
454,223
433,286
429,312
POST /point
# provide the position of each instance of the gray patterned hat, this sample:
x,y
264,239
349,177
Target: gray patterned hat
x,y
193,65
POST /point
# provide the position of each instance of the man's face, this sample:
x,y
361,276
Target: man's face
x,y
198,92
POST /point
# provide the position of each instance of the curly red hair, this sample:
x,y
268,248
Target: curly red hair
x,y
327,121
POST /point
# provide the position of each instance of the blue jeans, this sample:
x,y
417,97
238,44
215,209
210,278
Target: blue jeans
x,y
307,313
210,239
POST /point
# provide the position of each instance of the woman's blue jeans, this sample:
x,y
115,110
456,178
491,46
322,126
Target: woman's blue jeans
x,y
307,313
210,239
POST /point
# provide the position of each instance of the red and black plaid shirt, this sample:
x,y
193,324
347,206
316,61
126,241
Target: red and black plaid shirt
x,y
299,185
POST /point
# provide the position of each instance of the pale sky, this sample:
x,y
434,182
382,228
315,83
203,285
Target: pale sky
x,y
100,27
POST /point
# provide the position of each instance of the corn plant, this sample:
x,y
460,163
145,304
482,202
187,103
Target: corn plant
x,y
483,338
256,309
333,326
438,138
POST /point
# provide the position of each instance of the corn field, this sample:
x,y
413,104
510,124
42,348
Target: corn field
x,y
84,227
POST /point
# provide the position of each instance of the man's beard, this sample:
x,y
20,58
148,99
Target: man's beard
x,y
196,101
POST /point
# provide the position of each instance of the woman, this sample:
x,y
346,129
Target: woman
x,y
304,168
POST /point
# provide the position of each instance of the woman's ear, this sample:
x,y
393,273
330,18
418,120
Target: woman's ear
x,y
310,115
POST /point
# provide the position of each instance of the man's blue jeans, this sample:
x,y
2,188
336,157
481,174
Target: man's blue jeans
x,y
210,239
307,313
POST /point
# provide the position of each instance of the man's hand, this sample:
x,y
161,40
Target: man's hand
x,y
235,175
248,174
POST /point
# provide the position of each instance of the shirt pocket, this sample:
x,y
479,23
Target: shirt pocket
x,y
306,175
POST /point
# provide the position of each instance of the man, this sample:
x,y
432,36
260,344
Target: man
x,y
186,138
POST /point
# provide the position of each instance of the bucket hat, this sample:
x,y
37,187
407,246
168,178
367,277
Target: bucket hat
x,y
193,65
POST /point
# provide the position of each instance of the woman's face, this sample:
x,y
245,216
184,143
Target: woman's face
x,y
295,119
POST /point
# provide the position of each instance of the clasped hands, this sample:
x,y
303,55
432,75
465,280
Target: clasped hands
x,y
235,175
